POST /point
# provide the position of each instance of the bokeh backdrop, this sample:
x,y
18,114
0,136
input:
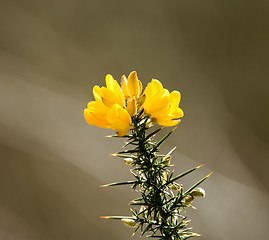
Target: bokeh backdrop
x,y
215,52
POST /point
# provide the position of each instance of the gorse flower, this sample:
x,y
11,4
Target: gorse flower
x,y
114,106
131,87
160,210
161,105
108,109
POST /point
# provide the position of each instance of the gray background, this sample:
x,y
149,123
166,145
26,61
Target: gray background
x,y
51,55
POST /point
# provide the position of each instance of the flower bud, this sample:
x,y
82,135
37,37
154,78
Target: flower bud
x,y
166,160
188,200
143,211
141,99
164,177
198,192
128,161
175,187
131,107
129,222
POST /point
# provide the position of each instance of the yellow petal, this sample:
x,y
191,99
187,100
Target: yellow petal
x,y
133,85
176,113
140,87
96,119
97,107
97,93
109,97
88,117
117,90
124,87
131,107
109,81
141,100
123,132
158,103
119,119
114,87
175,98
156,85
167,122
153,87
169,118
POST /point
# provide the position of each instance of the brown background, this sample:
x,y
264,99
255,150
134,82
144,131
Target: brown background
x,y
51,55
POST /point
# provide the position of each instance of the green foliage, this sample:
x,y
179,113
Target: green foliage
x,y
158,212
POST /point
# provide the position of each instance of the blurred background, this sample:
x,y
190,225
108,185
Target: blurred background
x,y
52,162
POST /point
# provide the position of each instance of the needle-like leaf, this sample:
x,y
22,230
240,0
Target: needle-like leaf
x,y
118,183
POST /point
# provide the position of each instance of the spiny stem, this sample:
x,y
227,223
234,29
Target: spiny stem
x,y
160,207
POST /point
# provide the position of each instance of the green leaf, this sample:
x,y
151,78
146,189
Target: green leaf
x,y
181,175
146,228
133,142
128,151
171,151
153,133
116,136
163,139
137,199
118,183
137,203
196,184
115,217
122,155
136,229
133,212
140,113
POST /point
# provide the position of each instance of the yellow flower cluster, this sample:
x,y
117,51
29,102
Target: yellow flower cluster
x,y
114,106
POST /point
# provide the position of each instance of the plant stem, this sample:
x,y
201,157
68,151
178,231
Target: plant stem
x,y
162,199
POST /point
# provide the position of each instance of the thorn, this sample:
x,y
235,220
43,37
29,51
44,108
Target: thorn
x,y
113,154
200,166
108,136
174,129
187,221
209,174
114,217
103,185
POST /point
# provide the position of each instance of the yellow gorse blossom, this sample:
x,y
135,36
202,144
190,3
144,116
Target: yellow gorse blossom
x,y
131,87
108,109
162,106
127,107
114,106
